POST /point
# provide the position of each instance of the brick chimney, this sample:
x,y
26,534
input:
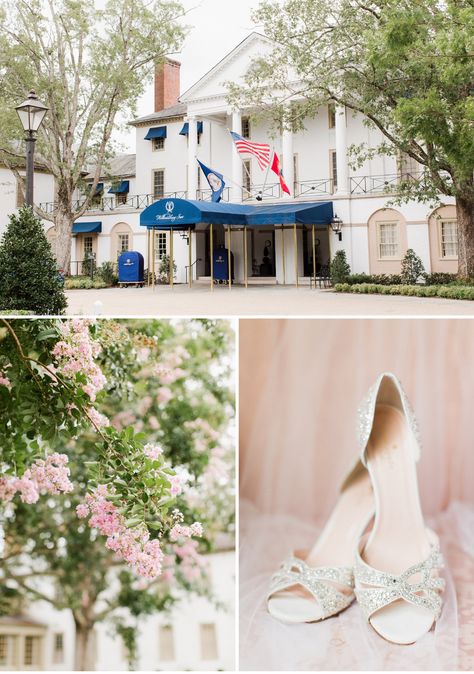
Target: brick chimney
x,y
167,84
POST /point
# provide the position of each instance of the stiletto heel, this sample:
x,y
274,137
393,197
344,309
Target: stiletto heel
x,y
396,579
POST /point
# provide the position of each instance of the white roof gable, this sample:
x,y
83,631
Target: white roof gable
x,y
231,68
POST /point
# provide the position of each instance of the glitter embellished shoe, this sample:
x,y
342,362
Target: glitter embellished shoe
x,y
396,578
313,586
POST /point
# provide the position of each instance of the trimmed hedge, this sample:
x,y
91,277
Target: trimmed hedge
x,y
454,292
84,283
379,279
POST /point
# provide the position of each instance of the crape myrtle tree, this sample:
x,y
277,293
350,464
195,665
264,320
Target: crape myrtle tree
x,y
89,63
406,65
116,467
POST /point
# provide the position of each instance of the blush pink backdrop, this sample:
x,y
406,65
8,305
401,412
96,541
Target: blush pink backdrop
x,y
300,385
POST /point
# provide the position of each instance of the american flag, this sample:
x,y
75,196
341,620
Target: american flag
x,y
259,150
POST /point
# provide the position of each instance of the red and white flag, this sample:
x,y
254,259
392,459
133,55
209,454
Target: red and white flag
x,y
259,150
276,168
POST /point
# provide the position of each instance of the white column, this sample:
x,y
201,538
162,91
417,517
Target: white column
x,y
192,163
236,187
341,151
288,165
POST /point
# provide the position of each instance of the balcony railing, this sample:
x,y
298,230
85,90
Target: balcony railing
x,y
321,187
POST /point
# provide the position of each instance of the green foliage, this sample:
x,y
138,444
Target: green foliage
x,y
164,269
89,266
379,279
454,292
29,278
441,278
412,268
107,272
84,283
340,269
37,418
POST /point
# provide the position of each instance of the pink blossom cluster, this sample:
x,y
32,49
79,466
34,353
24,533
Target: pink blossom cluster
x,y
99,420
192,563
50,476
132,545
167,375
176,357
181,531
216,471
4,381
152,451
76,353
163,395
203,434
123,419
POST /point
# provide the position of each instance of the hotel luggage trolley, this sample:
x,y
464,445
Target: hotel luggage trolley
x,y
131,267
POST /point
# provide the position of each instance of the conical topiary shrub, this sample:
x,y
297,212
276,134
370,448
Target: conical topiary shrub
x,y
340,269
29,278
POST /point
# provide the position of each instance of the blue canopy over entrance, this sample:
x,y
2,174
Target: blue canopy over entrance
x,y
179,214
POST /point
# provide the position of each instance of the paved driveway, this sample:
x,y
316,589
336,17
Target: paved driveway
x,y
254,301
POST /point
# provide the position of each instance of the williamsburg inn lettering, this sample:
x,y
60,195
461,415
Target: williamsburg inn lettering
x,y
273,237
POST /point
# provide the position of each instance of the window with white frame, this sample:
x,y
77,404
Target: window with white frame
x,y
333,169
332,116
31,652
246,128
208,641
388,240
158,183
247,177
8,650
166,640
158,144
123,243
161,245
58,648
88,246
448,238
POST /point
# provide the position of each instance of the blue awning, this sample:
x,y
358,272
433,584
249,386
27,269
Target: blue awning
x,y
179,214
99,188
314,213
120,188
86,227
156,132
185,130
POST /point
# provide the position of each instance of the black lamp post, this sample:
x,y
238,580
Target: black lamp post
x,y
31,113
336,226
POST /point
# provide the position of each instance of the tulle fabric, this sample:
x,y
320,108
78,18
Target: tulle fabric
x,y
346,642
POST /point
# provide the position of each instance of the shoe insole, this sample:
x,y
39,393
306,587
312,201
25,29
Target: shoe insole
x,y
335,547
398,539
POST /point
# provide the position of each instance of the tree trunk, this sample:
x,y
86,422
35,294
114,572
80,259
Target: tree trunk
x,y
85,653
62,245
465,217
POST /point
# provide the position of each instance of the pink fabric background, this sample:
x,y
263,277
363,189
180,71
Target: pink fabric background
x,y
300,385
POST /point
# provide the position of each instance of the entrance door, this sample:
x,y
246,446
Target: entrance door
x,y
323,254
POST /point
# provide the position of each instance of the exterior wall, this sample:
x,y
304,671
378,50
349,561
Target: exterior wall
x,y
185,620
43,192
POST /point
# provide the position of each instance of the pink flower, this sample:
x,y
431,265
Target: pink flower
x,y
176,486
48,476
152,451
164,395
4,381
97,419
82,510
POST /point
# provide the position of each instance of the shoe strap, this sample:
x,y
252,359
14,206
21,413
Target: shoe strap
x,y
375,589
366,413
318,581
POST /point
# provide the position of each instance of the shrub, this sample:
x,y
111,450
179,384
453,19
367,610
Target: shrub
x,y
84,283
456,292
379,279
439,278
107,273
29,278
412,268
340,269
89,266
164,269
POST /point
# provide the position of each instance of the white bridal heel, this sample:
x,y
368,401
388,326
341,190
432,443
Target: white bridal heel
x,y
396,578
313,586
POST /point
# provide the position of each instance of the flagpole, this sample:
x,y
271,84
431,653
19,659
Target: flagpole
x,y
267,172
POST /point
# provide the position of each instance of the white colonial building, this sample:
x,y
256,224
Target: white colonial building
x,y
196,124
195,635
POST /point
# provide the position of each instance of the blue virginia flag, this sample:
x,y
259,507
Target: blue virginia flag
x,y
215,180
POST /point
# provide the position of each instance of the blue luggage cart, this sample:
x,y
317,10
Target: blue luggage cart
x,y
131,267
221,265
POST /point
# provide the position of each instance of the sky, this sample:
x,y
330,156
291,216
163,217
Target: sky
x,y
216,27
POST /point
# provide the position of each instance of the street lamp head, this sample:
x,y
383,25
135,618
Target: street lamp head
x,y
31,113
336,226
